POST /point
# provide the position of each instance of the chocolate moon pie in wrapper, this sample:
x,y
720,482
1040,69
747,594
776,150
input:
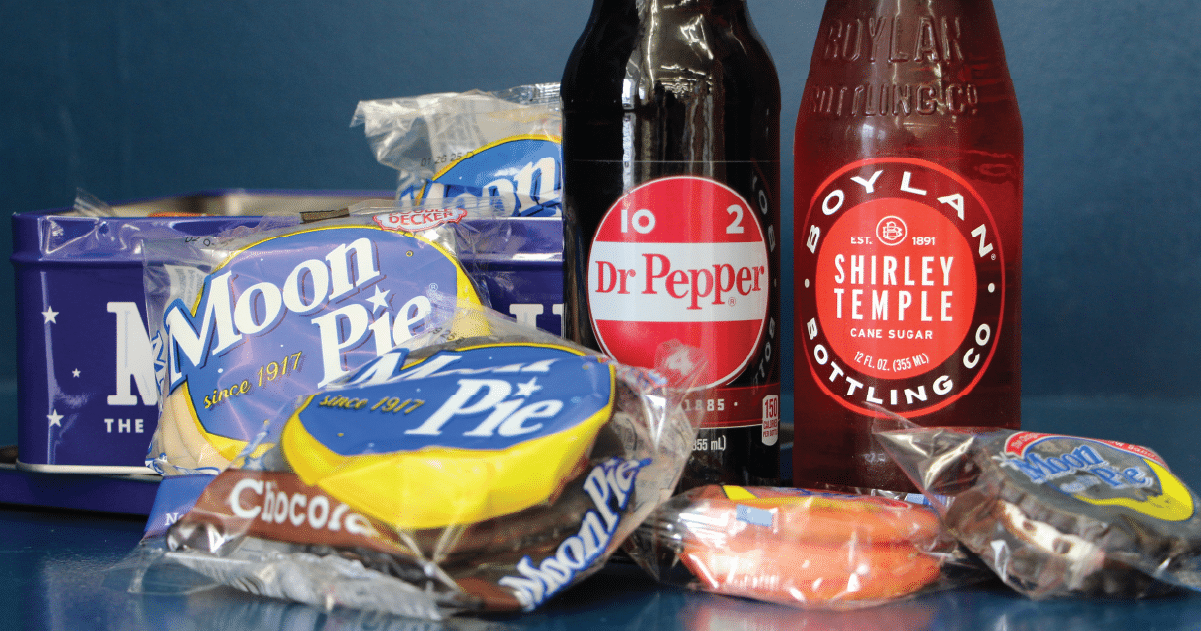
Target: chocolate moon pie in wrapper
x,y
486,473
1058,516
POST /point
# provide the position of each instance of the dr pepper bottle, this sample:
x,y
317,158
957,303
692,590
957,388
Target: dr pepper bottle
x,y
908,232
671,212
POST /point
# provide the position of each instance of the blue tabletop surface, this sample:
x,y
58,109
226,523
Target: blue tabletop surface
x,y
54,572
55,563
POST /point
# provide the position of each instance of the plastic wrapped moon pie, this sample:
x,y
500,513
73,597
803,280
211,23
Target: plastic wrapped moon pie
x,y
243,325
477,473
1058,515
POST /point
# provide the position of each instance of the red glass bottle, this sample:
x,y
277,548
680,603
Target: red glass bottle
x,y
908,232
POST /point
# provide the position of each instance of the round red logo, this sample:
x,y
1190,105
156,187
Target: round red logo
x,y
901,286
680,260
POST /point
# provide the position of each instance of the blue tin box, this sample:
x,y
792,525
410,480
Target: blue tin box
x,y
86,395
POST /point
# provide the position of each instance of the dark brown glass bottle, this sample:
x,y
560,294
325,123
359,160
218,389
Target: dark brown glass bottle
x,y
908,233
671,212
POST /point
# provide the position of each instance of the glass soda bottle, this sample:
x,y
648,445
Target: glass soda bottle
x,y
671,212
908,232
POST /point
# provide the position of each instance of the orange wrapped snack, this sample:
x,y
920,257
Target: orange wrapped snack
x,y
795,546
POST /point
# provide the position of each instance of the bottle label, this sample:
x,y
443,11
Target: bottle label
x,y
900,303
680,260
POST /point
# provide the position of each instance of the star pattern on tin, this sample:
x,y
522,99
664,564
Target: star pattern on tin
x,y
55,418
75,373
379,300
528,388
50,315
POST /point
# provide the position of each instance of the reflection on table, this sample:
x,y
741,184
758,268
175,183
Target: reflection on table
x,y
56,574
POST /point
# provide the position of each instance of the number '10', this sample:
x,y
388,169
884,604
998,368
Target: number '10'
x,y
643,220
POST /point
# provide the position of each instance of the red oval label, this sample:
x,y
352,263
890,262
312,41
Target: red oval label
x,y
901,306
680,260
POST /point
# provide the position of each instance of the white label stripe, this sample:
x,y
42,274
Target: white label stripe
x,y
617,267
744,252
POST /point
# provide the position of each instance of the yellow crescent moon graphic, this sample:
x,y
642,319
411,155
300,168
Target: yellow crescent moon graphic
x,y
1174,504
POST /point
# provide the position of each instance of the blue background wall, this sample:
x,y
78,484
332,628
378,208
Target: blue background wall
x,y
136,98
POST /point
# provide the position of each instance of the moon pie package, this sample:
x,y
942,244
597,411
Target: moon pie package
x,y
458,473
799,547
503,145
1058,516
242,324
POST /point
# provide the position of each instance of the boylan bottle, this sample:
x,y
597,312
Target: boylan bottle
x,y
671,212
908,232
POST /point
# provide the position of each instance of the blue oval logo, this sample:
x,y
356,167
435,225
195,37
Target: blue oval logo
x,y
484,398
292,313
525,173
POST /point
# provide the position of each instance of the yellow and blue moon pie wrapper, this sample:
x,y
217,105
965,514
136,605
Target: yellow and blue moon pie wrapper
x,y
486,473
278,316
1058,515
458,437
